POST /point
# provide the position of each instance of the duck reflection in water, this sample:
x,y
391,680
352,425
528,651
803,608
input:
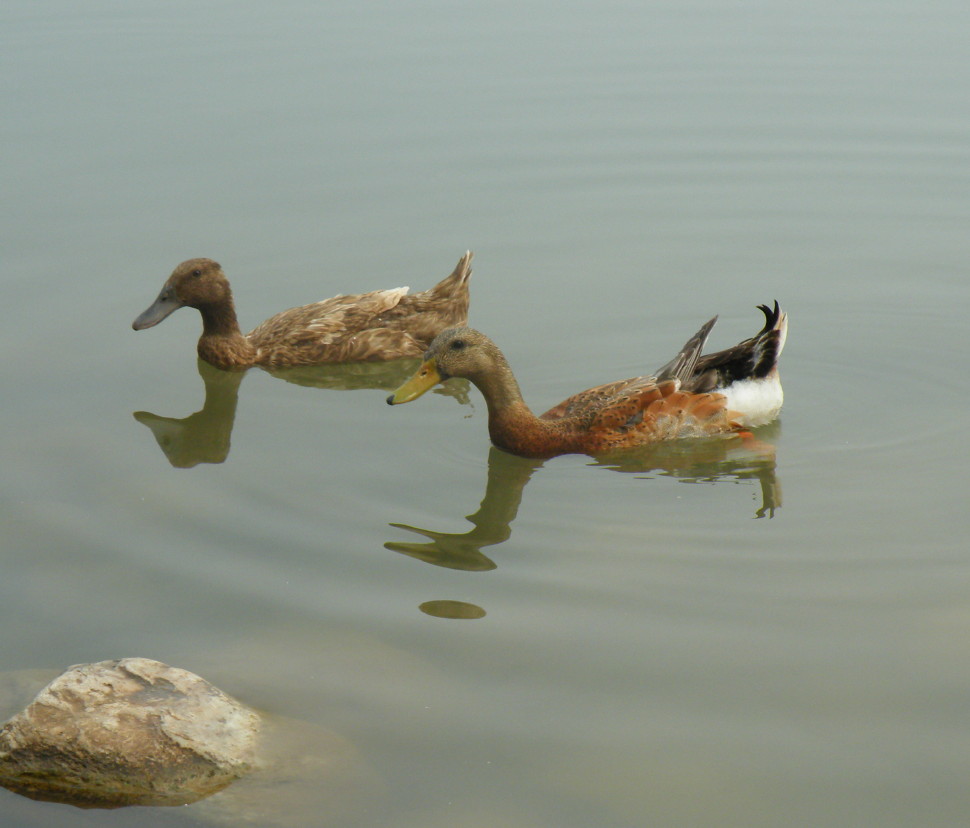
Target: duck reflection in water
x,y
204,437
507,476
712,460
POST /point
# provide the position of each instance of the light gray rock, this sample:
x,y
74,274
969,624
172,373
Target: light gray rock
x,y
128,732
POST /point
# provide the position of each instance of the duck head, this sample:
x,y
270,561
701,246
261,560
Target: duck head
x,y
196,283
455,352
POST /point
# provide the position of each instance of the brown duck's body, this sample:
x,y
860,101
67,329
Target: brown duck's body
x,y
691,396
380,325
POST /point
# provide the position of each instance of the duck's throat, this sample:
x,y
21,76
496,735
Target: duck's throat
x,y
511,424
219,318
517,430
222,343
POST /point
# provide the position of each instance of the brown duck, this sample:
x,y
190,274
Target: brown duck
x,y
690,396
380,325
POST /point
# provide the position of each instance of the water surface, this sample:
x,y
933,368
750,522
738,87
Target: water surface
x,y
631,642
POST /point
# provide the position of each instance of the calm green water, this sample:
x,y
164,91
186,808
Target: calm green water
x,y
646,645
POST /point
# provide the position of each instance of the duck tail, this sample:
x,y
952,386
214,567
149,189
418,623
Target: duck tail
x,y
457,280
769,342
755,358
747,374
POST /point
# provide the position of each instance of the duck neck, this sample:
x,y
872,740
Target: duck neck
x,y
222,343
511,424
500,388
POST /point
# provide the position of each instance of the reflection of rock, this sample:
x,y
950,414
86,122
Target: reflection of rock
x,y
127,732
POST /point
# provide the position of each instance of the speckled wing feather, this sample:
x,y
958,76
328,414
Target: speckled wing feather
x,y
641,410
593,400
626,409
380,325
325,331
660,412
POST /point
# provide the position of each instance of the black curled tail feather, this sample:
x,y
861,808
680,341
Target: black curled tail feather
x,y
753,358
771,318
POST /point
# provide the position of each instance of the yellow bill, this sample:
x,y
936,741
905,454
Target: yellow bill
x,y
425,377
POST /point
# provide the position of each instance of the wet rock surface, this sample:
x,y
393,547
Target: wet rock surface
x,y
128,732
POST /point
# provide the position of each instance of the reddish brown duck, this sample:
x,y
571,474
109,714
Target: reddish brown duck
x,y
380,325
691,396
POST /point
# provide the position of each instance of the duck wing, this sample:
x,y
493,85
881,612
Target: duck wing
x,y
339,329
682,366
592,400
658,411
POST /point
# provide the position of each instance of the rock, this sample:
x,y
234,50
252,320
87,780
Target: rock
x,y
128,732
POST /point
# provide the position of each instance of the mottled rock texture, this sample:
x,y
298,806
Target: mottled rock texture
x,y
127,732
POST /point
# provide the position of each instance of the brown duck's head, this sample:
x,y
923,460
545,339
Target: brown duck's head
x,y
455,352
194,283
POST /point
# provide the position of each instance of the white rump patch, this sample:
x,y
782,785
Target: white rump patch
x,y
757,400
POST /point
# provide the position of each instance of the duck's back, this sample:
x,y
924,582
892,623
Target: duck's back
x,y
366,327
340,329
425,315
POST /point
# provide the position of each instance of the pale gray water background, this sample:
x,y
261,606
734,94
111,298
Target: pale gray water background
x,y
651,653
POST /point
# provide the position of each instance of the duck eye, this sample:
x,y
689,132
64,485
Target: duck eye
x,y
457,345
197,272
